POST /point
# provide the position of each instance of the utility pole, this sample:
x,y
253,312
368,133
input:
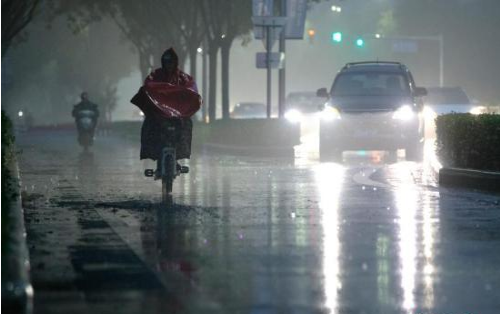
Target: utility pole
x,y
205,85
268,61
282,71
439,39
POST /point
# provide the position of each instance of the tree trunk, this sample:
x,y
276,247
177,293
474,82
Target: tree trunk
x,y
212,81
144,64
225,52
193,57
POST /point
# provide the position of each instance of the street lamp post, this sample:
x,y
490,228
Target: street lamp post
x,y
439,39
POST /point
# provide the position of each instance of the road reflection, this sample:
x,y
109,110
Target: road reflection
x,y
329,181
416,222
406,196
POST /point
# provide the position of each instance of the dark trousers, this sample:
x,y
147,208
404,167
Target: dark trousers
x,y
151,137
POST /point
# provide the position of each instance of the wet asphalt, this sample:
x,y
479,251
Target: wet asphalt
x,y
252,235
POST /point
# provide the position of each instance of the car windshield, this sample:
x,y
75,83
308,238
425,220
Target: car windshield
x,y
447,96
370,84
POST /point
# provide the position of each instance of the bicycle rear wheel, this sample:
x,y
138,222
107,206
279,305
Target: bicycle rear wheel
x,y
167,179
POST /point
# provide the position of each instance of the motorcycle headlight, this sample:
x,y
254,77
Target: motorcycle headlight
x,y
330,114
404,113
293,116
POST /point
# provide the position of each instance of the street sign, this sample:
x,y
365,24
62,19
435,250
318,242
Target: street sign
x,y
275,60
296,14
405,46
261,8
273,23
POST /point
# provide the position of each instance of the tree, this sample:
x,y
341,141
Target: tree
x,y
225,20
48,81
16,15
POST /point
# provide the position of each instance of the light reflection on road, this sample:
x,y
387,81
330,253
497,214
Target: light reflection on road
x,y
406,202
329,179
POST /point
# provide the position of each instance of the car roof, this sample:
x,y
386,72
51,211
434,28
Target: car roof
x,y
374,66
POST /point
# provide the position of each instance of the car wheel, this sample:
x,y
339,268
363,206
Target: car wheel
x,y
329,152
415,152
328,148
392,156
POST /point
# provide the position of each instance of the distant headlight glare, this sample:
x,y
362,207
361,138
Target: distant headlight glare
x,y
293,116
404,113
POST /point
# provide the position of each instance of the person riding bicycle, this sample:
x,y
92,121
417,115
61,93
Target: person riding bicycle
x,y
155,115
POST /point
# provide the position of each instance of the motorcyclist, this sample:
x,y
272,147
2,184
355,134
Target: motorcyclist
x,y
151,145
84,106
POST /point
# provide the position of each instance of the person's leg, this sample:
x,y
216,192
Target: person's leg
x,y
150,139
183,149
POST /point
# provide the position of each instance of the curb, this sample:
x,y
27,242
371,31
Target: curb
x,y
17,291
468,178
254,151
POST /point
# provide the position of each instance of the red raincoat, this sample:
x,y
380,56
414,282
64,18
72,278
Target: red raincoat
x,y
174,97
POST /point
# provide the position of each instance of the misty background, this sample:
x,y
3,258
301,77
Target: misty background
x,y
108,48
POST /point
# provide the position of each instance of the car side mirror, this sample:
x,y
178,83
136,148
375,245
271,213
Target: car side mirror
x,y
322,92
420,91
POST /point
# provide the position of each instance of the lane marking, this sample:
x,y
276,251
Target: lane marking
x,y
363,178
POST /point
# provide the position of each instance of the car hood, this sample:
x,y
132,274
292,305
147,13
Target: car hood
x,y
449,108
369,103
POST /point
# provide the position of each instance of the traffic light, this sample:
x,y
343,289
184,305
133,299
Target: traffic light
x,y
311,33
360,42
337,37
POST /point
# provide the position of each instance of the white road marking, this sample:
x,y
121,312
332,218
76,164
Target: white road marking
x,y
363,178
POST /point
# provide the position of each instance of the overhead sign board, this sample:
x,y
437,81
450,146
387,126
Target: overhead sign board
x,y
296,13
272,23
276,60
261,8
405,46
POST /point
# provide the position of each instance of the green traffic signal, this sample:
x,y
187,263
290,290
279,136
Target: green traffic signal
x,y
360,42
337,37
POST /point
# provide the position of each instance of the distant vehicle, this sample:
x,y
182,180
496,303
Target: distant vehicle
x,y
249,110
372,106
86,122
300,104
444,100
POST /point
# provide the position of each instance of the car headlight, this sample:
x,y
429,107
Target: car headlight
x,y
477,110
404,113
293,116
330,114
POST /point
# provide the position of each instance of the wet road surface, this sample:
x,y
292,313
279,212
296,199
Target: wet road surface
x,y
252,235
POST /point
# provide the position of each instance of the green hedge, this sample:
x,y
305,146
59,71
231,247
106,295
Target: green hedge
x,y
469,141
8,185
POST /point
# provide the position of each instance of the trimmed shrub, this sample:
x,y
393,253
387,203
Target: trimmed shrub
x,y
8,184
469,141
